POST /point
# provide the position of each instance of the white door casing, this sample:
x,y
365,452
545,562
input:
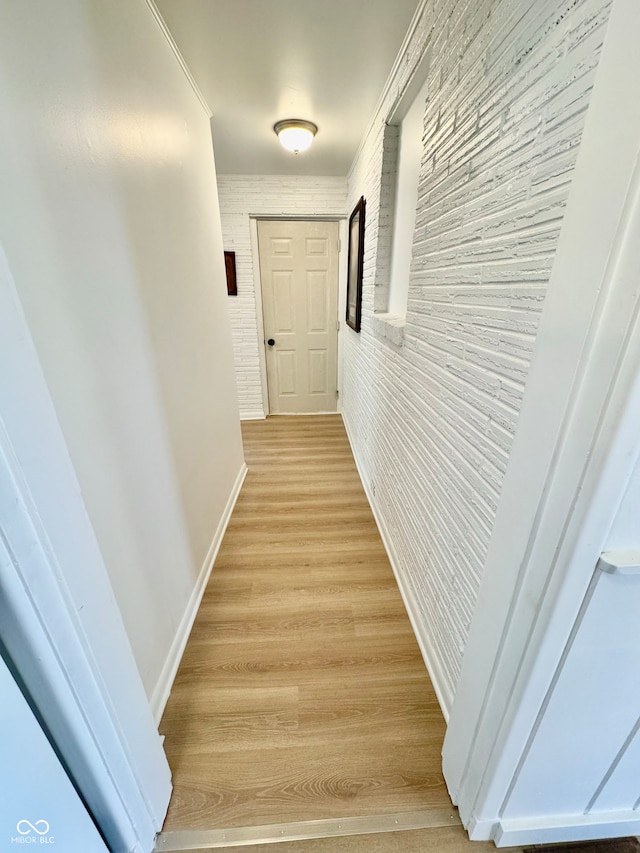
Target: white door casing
x,y
299,275
59,621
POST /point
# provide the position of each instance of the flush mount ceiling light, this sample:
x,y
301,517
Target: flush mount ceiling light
x,y
295,134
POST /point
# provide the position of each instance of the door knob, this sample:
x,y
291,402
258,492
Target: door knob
x,y
271,342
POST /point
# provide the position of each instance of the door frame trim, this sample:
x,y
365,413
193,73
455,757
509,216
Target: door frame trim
x,y
257,286
342,221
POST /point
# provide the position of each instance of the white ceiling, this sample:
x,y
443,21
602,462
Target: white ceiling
x,y
258,61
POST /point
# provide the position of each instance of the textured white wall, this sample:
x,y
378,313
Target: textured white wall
x,y
242,196
432,419
111,228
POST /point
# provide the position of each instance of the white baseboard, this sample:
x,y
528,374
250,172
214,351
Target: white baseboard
x,y
481,830
301,414
164,684
252,416
553,829
426,649
548,829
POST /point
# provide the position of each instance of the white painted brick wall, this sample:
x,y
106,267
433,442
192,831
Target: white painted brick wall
x,y
242,196
432,420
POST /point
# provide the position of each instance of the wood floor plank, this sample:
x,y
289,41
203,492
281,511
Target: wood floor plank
x,y
288,780
306,717
302,694
319,593
231,626
281,663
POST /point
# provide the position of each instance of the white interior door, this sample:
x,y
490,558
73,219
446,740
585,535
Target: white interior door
x,y
299,275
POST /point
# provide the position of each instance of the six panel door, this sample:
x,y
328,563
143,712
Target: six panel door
x,y
299,275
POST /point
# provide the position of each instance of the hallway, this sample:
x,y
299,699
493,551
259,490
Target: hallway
x,y
302,694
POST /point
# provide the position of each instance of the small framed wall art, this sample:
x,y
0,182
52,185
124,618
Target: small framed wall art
x,y
356,258
230,267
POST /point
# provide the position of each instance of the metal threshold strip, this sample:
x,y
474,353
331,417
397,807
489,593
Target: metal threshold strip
x,y
240,836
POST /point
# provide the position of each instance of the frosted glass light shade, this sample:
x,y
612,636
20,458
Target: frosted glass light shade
x,y
295,134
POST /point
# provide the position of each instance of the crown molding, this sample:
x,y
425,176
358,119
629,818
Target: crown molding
x,y
176,51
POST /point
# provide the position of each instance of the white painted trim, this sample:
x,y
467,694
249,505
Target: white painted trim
x,y
178,55
549,829
252,416
343,233
417,622
58,616
162,690
293,217
402,104
620,562
301,414
55,668
481,830
574,448
257,289
578,827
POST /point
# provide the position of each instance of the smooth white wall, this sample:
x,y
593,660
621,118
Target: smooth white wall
x,y
432,417
243,196
110,223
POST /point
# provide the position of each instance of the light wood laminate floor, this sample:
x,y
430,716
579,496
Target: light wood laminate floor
x,y
302,694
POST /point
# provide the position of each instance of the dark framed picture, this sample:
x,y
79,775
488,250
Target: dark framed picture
x,y
356,258
230,267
